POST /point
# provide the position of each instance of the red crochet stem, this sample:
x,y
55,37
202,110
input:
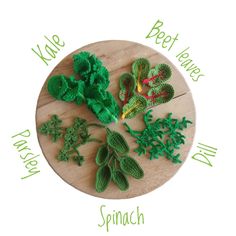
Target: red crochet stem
x,y
127,86
164,93
146,81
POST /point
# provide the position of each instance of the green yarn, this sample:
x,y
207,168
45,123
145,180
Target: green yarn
x,y
103,178
105,109
161,137
102,155
117,142
135,105
127,87
99,79
74,136
52,128
113,164
161,73
90,88
161,94
140,69
66,89
131,167
57,86
120,180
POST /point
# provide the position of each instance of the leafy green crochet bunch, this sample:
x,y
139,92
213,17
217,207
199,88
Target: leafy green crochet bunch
x,y
142,74
74,136
115,164
90,87
161,137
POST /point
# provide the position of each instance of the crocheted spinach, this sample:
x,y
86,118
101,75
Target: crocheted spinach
x,y
161,137
115,164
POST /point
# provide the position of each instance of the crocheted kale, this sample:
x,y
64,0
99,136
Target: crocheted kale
x,y
161,137
90,88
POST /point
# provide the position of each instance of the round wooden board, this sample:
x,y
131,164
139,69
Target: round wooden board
x,y
117,56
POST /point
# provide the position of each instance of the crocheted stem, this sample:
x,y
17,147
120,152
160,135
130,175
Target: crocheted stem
x,y
127,92
139,85
162,94
129,110
159,75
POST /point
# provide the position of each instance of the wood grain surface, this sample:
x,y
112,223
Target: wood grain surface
x,y
117,56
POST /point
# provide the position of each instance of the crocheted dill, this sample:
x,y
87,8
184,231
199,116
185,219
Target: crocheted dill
x,y
74,136
161,137
115,164
89,88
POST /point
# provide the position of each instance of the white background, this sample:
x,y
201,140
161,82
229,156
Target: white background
x,y
199,200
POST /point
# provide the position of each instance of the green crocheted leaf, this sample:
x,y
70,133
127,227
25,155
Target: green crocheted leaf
x,y
161,137
127,87
120,180
80,90
95,63
131,167
100,79
52,128
79,159
140,69
95,92
86,64
135,105
57,86
102,155
161,94
70,95
106,110
103,178
158,75
81,64
117,142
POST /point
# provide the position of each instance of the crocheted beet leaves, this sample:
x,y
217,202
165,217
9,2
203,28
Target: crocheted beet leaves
x,y
89,88
115,164
161,137
142,75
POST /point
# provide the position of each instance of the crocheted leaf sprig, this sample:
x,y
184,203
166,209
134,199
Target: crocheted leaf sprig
x,y
161,137
115,164
74,136
143,75
89,88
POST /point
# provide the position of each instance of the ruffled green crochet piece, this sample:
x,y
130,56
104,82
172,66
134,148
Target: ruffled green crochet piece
x,y
105,109
90,69
161,137
57,86
90,88
140,69
127,87
160,74
114,165
161,94
66,89
135,105
74,136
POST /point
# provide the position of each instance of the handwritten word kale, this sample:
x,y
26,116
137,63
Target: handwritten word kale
x,y
115,164
89,88
74,136
161,137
